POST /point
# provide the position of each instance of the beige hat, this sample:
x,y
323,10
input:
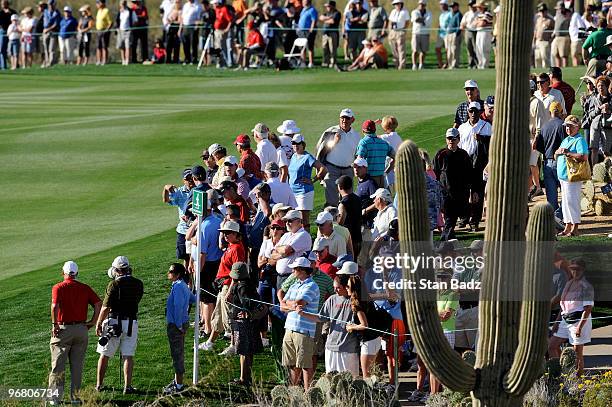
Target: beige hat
x,y
230,226
27,10
571,120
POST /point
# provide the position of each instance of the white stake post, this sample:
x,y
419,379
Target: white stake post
x,y
198,207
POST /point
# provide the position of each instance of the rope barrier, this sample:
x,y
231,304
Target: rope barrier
x,y
386,333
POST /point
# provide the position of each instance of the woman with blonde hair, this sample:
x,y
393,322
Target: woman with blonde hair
x,y
86,24
389,125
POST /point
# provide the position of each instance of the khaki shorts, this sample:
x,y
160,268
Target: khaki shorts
x,y
466,328
420,43
440,43
561,47
126,344
576,49
298,349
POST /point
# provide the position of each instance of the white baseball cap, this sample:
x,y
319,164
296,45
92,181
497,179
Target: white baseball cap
x,y
443,1
474,105
67,8
230,226
121,262
288,127
70,268
214,148
300,262
346,112
297,139
14,17
452,133
360,162
323,217
293,214
470,83
320,243
382,193
349,268
422,1
394,2
230,160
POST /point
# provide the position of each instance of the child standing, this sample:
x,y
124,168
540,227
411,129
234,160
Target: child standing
x,y
14,36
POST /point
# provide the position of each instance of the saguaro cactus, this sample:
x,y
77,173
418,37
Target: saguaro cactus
x,y
512,312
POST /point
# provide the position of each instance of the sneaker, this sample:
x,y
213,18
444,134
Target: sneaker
x,y
230,350
416,396
206,345
265,342
424,398
414,67
311,65
129,390
172,388
420,66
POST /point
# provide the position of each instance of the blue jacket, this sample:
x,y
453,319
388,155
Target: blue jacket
x,y
177,306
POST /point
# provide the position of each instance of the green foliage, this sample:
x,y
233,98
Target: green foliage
x,y
315,397
568,361
599,395
553,367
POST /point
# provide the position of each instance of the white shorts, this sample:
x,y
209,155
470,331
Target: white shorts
x,y
341,362
568,331
533,158
305,202
371,348
127,344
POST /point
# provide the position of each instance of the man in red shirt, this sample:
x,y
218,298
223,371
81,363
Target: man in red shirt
x,y
222,26
69,302
234,253
249,161
569,95
228,189
325,261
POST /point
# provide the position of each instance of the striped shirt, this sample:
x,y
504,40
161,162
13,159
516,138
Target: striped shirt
x,y
307,291
375,150
323,281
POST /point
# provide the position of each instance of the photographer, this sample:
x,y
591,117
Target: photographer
x,y
117,325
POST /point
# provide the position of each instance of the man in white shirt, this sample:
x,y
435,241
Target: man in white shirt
x,y
398,22
537,117
165,8
336,243
190,16
548,95
577,23
283,153
336,150
473,128
421,24
293,244
281,191
386,213
265,149
468,25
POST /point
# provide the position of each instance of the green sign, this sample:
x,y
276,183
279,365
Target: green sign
x,y
198,205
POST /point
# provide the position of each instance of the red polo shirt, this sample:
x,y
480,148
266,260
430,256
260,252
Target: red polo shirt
x,y
223,18
72,299
569,95
244,208
325,265
250,163
234,253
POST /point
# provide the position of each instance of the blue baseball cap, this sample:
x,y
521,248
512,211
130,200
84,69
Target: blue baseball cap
x,y
342,259
198,172
186,173
490,101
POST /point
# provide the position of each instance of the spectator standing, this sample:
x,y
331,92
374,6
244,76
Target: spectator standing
x,y
14,37
421,24
472,94
38,32
357,24
547,94
26,26
377,20
599,113
281,191
177,323
5,20
336,150
452,41
69,303
222,26
178,197
542,36
230,166
331,34
484,36
466,322
572,147
595,49
443,22
489,109
140,34
285,150
537,119
560,47
267,275
67,36
468,25
547,142
349,211
300,177
265,149
588,101
307,25
366,187
119,308
577,28
232,196
336,243
375,150
453,168
389,125
218,153
103,26
173,41
386,212
86,25
125,21
165,8
51,18
293,244
298,343
398,22
191,15
569,94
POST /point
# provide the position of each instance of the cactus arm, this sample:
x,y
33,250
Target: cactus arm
x,y
536,305
423,319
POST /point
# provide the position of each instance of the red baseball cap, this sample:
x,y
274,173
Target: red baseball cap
x,y
278,223
242,139
368,127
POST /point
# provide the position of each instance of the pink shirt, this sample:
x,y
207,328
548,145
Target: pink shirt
x,y
576,295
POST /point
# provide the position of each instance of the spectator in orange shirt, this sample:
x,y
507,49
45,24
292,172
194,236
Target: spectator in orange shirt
x,y
373,54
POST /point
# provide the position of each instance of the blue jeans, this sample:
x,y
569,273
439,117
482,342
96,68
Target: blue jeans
x,y
551,186
3,48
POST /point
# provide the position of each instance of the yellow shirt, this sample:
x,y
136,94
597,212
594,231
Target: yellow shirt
x,y
103,19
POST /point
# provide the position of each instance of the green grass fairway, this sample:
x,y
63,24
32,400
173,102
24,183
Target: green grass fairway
x,y
84,153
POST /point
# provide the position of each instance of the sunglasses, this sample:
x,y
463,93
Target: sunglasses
x,y
541,81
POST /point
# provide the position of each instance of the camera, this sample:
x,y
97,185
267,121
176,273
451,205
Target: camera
x,y
110,331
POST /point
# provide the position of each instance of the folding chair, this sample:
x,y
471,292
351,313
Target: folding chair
x,y
295,56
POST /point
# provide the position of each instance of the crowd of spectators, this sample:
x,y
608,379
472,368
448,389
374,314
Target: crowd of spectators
x,y
242,35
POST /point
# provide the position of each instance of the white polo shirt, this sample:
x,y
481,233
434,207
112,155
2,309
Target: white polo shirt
x,y
191,13
281,192
300,242
466,134
383,220
266,152
337,243
343,153
421,28
400,18
553,95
